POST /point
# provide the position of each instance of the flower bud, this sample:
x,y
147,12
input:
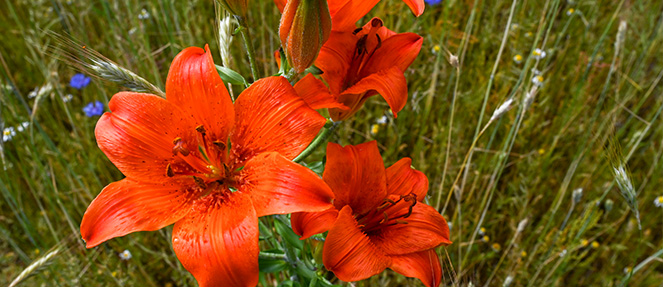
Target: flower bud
x,y
236,7
305,26
608,205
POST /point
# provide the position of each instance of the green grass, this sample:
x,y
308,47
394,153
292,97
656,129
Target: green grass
x,y
600,97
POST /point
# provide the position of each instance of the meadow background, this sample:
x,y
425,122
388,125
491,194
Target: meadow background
x,y
515,215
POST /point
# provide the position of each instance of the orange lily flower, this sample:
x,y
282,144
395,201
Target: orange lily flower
x,y
378,220
365,62
208,166
345,13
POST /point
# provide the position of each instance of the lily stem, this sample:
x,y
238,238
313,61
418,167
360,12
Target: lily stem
x,y
321,138
272,256
244,30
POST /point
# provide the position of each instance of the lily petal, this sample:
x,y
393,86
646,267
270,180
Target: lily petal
x,y
425,229
127,206
335,58
417,6
316,94
280,4
346,13
349,253
402,179
137,135
398,50
307,224
389,83
218,241
195,86
356,175
280,186
270,116
424,265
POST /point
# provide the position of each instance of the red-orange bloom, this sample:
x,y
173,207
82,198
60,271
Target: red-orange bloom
x,y
378,220
211,168
365,62
346,13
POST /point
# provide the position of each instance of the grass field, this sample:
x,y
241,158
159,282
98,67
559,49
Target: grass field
x,y
533,199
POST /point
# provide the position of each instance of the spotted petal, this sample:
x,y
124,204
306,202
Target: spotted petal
x,y
270,116
137,135
425,229
127,206
280,186
424,265
218,241
356,175
349,253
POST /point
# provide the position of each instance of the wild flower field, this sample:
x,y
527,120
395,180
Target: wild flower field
x,y
537,124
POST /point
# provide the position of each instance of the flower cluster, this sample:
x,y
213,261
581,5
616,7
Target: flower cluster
x,y
212,166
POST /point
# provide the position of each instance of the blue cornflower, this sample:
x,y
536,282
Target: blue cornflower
x,y
79,81
433,2
95,108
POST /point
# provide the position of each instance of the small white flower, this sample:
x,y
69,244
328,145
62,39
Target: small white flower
x,y
563,253
132,30
659,201
22,126
8,134
67,98
143,14
570,11
383,120
40,91
450,224
539,54
125,255
518,58
507,281
537,80
515,26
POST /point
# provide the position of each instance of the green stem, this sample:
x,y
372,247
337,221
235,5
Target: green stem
x,y
272,256
244,30
321,138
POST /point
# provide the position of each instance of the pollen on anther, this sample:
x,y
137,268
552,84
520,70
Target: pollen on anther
x,y
201,129
169,171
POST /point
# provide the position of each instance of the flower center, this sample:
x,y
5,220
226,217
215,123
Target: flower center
x,y
206,166
369,40
389,212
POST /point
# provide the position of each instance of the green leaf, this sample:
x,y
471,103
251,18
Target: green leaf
x,y
316,166
271,265
286,233
230,76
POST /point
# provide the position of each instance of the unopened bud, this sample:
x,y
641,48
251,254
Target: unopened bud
x,y
521,225
529,97
453,60
305,26
503,108
577,195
